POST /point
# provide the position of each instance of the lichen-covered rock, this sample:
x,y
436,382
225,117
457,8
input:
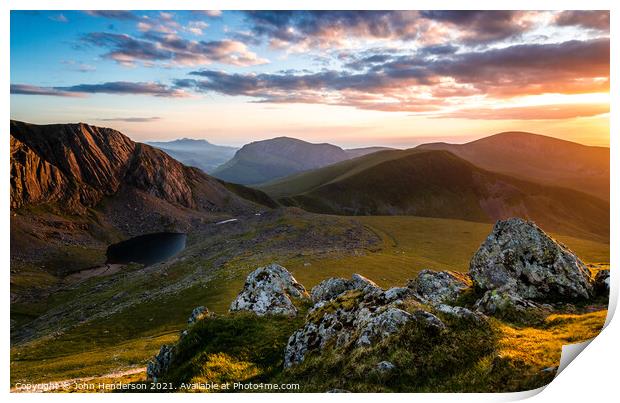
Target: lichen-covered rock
x,y
360,282
356,318
601,282
460,312
520,258
385,366
398,293
434,287
503,302
269,291
197,314
329,289
380,326
160,364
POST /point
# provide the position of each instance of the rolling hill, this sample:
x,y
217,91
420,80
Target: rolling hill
x,y
432,183
196,153
538,158
266,160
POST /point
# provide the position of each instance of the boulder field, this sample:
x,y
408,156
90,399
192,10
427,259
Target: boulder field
x,y
517,268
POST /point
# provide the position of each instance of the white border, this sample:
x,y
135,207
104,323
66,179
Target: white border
x,y
593,375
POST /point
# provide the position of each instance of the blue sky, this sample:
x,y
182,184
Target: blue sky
x,y
351,78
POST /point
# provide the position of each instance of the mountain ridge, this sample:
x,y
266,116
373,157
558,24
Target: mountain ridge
x,y
437,183
538,158
266,160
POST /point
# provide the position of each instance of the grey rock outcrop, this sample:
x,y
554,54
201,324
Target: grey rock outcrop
x,y
525,263
435,287
360,317
382,325
601,282
329,289
269,290
197,314
385,366
501,302
398,293
160,364
460,312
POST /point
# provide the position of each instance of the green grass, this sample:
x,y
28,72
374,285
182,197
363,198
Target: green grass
x,y
238,347
410,244
132,336
466,357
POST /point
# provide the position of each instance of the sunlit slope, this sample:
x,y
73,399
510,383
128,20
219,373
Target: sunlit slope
x,y
131,336
439,184
539,159
309,180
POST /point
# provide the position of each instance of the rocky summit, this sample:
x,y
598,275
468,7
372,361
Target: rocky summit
x,y
270,290
519,258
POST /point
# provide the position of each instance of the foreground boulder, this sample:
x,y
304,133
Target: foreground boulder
x,y
435,287
329,289
523,262
359,317
199,313
269,290
503,303
160,364
601,282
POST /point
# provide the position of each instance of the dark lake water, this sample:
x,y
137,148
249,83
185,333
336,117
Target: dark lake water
x,y
147,249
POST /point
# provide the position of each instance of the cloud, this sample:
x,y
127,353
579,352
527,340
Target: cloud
x,y
420,82
331,28
132,119
78,66
537,112
59,18
587,19
116,87
306,29
113,14
208,13
172,49
25,89
477,27
196,27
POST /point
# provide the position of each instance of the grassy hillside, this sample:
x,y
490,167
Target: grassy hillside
x,y
152,304
538,158
438,184
306,181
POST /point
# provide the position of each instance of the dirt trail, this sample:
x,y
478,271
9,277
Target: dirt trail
x,y
68,383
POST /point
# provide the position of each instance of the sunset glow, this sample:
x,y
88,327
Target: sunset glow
x,y
350,78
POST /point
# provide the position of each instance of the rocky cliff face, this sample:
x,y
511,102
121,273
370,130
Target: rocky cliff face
x,y
77,165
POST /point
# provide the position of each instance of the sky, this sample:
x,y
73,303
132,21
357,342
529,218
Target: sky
x,y
352,78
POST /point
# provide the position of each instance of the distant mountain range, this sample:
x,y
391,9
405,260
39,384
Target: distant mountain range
x,y
136,188
266,160
538,158
196,153
437,183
